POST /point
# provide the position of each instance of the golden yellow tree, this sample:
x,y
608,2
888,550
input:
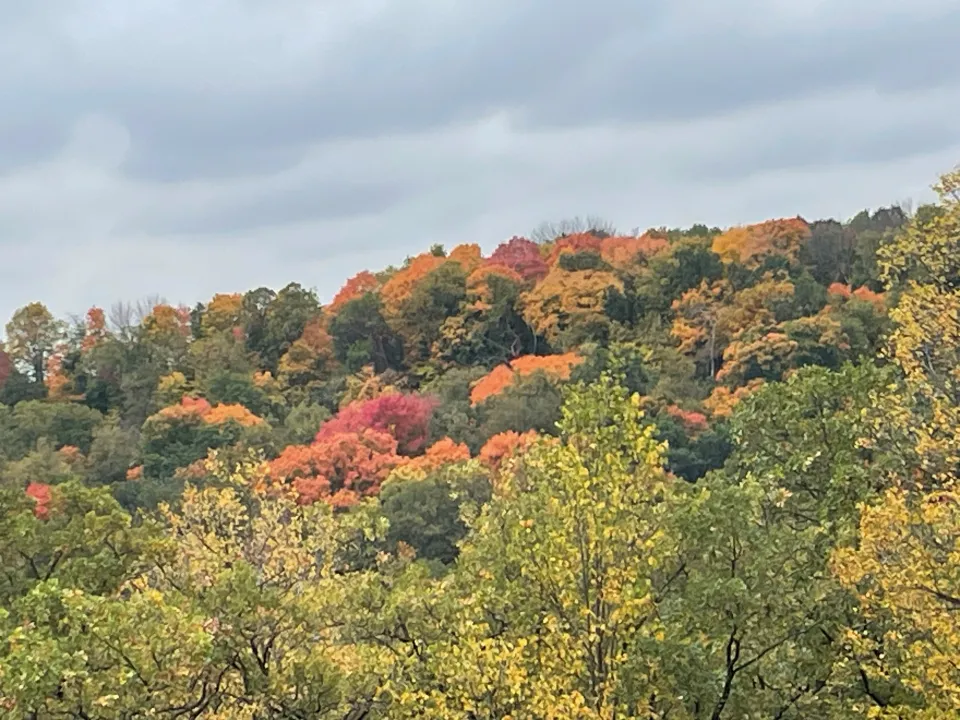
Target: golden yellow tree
x,y
925,262
751,244
905,567
565,299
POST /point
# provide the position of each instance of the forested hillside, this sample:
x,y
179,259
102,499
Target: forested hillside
x,y
694,473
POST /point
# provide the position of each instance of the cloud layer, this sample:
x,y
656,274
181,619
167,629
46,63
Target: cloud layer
x,y
186,148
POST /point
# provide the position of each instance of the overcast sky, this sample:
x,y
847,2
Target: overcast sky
x,y
187,147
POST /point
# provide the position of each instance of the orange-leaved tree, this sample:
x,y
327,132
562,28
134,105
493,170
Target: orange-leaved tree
x,y
310,358
503,446
752,244
501,377
627,251
340,468
359,285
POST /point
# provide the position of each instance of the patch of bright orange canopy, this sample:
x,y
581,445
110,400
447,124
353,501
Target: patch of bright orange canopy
x,y
95,329
624,251
750,244
55,379
469,256
357,286
401,286
42,496
340,468
691,419
862,293
443,452
723,400
213,415
503,376
564,298
580,242
503,446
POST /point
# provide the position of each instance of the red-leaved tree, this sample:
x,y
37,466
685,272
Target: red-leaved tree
x,y
522,256
404,417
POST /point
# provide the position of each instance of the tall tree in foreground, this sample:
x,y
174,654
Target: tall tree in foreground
x,y
556,579
905,569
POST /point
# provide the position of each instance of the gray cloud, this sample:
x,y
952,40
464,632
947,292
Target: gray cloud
x,y
188,147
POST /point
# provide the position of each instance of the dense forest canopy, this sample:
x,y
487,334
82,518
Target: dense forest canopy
x,y
693,474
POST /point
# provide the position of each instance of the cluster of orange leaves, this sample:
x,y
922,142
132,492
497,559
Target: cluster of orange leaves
x,y
71,454
401,286
42,497
95,330
190,407
501,377
505,445
443,452
769,351
723,400
623,251
356,287
861,293
691,419
55,378
312,351
478,283
617,250
576,243
469,256
339,469
564,297
168,320
749,244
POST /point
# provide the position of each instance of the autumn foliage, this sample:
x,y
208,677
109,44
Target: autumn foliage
x,y
400,287
443,452
404,417
223,312
564,299
750,244
503,376
627,251
505,445
41,494
95,329
357,286
211,414
522,256
340,467
580,242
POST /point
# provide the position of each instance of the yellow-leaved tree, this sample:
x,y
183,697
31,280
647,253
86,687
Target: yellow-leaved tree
x,y
554,582
905,569
239,611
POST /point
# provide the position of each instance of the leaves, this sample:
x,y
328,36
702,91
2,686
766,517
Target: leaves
x,y
558,367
